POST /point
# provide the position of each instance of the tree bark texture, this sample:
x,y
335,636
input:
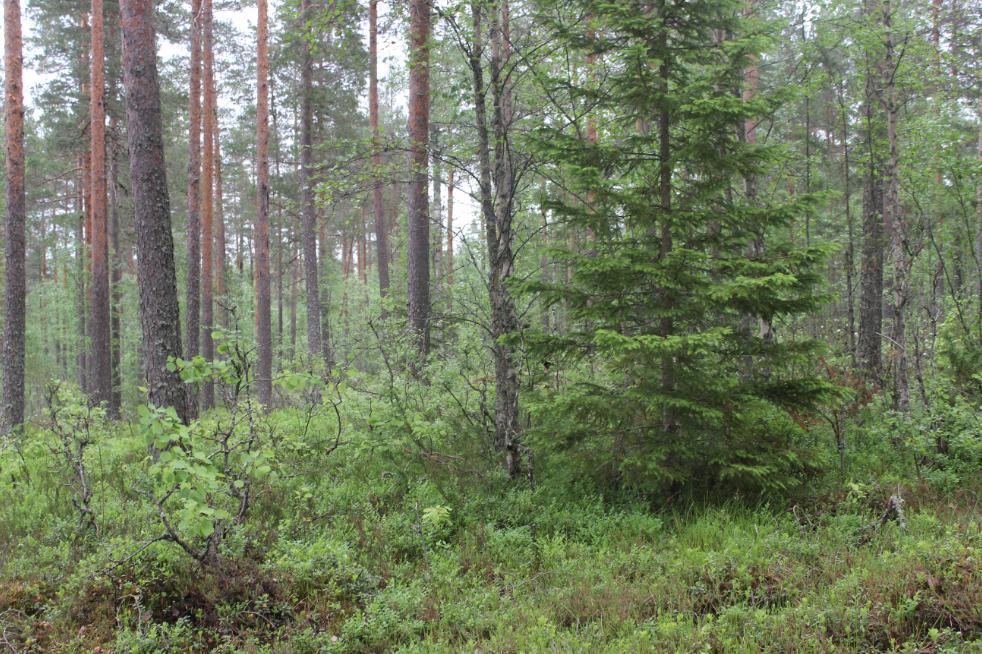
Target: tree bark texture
x,y
15,288
193,305
264,335
418,254
159,312
101,357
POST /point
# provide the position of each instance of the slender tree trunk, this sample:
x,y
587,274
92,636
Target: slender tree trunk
x,y
504,320
85,165
280,281
219,219
116,256
978,229
362,249
276,228
850,248
418,255
193,305
871,268
450,183
15,288
264,336
497,219
838,90
316,348
436,226
667,326
116,278
80,276
894,221
207,199
294,289
87,203
159,312
345,256
101,359
381,233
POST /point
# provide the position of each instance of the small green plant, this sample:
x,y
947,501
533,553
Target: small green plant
x,y
436,521
203,475
75,424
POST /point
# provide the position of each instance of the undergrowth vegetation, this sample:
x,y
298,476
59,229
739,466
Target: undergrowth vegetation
x,y
374,517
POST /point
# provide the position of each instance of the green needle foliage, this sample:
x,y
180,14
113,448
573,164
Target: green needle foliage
x,y
676,380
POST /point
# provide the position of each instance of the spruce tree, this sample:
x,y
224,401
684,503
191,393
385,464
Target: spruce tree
x,y
673,381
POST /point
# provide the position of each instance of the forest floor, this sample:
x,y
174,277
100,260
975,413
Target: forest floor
x,y
353,557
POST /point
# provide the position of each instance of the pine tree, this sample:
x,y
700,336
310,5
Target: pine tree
x,y
264,332
193,305
15,280
100,360
159,312
419,213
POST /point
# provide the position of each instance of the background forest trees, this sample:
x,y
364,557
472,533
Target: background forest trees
x,y
837,142
498,325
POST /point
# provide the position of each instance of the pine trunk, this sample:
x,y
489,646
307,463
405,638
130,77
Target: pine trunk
x,y
80,277
116,279
264,336
159,312
15,288
418,254
193,305
101,358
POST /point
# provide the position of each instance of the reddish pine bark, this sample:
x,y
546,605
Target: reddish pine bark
x,y
101,388
264,336
15,273
418,254
362,251
193,304
159,312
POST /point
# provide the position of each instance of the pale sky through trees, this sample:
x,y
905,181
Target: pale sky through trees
x,y
392,54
